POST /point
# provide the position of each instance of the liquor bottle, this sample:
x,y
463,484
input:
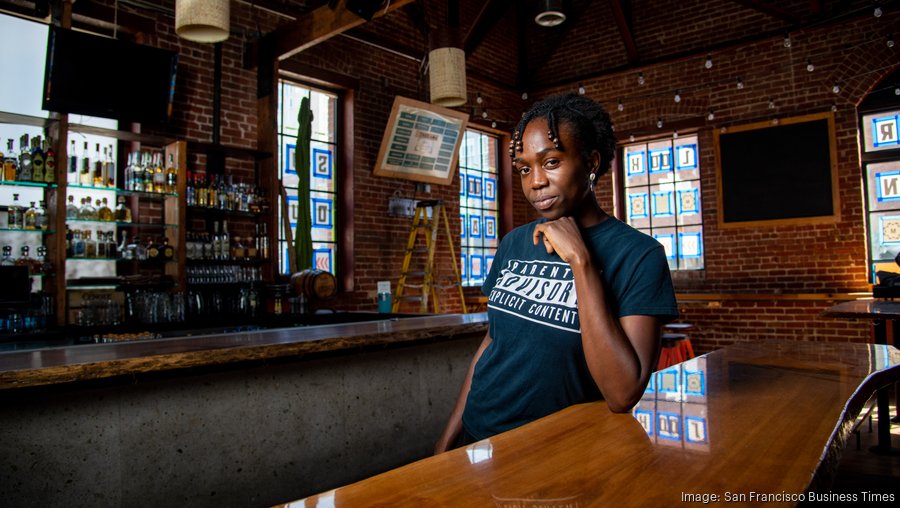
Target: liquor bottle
x,y
30,217
111,247
225,242
212,192
9,162
109,168
87,211
238,251
49,162
216,241
147,172
167,251
171,175
69,242
40,221
189,190
37,160
123,213
124,252
71,209
72,165
104,213
152,250
77,244
90,245
200,190
96,210
25,259
97,178
14,218
44,265
128,184
262,246
24,174
7,259
102,246
85,176
159,174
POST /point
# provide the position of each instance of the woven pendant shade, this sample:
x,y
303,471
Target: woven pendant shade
x,y
447,68
202,20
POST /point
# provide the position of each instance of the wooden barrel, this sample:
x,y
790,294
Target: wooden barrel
x,y
314,284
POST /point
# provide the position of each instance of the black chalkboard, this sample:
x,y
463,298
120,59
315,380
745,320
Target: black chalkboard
x,y
782,171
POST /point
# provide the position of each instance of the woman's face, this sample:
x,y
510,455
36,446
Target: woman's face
x,y
555,182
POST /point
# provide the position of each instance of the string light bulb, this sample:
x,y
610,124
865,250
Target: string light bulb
x,y
478,99
494,125
620,106
711,115
631,138
890,41
878,12
787,40
809,65
675,134
677,96
833,107
897,90
580,89
708,64
771,103
740,84
524,96
484,114
836,88
641,79
659,123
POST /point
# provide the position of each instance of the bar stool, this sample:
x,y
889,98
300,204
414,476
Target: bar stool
x,y
676,345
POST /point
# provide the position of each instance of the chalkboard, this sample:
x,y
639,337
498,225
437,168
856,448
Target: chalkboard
x,y
780,172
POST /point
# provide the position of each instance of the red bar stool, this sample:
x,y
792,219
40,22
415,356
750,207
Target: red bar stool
x,y
676,345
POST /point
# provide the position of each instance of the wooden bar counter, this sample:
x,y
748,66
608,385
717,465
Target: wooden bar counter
x,y
55,365
749,424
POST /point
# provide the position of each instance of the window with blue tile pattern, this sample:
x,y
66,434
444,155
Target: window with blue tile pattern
x,y
478,205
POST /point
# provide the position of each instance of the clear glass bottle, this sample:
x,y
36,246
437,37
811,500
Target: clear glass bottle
x,y
40,221
31,217
14,218
159,174
104,213
90,245
111,246
85,176
171,174
77,244
26,260
225,242
71,209
109,169
7,259
72,165
97,163
147,165
102,246
24,173
45,266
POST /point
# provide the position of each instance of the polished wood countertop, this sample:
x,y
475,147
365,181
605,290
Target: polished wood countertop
x,y
54,365
865,309
748,424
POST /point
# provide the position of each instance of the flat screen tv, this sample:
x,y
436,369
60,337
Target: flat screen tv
x,y
97,76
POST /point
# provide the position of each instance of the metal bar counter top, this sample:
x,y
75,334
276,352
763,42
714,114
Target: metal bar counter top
x,y
65,364
748,424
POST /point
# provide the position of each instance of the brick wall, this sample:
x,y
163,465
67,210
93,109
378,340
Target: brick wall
x,y
782,260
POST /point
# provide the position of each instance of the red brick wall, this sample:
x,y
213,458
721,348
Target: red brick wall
x,y
782,260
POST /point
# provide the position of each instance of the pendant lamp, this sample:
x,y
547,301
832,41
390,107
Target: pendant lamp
x,y
447,69
202,20
550,13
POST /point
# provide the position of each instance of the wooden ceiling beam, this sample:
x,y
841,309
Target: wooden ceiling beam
x,y
312,28
624,29
769,10
490,14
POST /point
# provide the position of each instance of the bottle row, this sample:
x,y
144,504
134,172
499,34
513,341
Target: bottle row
x,y
145,172
80,244
222,193
35,317
98,212
222,247
36,266
35,162
33,217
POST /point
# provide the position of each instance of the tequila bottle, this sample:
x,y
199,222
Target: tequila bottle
x,y
37,160
31,217
49,162
7,259
10,165
71,209
72,165
104,213
14,218
24,174
85,176
123,213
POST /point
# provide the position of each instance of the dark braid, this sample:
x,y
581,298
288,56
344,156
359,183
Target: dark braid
x,y
590,124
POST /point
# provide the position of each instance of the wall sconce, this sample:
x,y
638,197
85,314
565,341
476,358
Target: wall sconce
x,y
202,20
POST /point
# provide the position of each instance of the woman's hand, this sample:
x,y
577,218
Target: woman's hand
x,y
563,237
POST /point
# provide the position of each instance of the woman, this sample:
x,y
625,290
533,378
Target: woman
x,y
576,299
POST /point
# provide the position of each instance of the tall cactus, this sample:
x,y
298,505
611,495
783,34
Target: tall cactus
x,y
302,238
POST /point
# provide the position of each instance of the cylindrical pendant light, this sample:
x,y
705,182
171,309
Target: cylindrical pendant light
x,y
202,20
447,69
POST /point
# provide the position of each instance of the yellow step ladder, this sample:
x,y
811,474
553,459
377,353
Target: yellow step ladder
x,y
431,225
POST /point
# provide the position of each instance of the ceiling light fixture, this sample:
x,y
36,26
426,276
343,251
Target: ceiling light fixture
x,y
809,65
771,103
836,88
620,106
711,115
478,99
659,123
708,64
787,40
890,41
202,20
550,13
641,80
740,84
677,96
878,12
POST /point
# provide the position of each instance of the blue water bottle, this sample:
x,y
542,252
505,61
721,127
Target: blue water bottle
x,y
385,303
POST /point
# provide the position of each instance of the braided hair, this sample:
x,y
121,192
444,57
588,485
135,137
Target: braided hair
x,y
590,124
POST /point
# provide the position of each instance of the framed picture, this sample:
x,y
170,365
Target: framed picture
x,y
421,142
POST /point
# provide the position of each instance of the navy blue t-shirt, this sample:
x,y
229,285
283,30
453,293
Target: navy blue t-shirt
x,y
535,364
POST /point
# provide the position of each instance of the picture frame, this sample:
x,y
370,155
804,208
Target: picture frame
x,y
421,142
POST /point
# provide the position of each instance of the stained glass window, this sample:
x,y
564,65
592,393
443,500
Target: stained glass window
x,y
882,170
478,205
662,197
322,174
